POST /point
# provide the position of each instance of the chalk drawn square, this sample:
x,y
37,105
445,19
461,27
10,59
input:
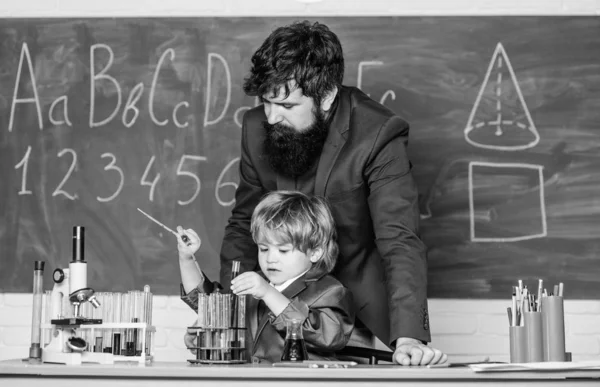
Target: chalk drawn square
x,y
506,202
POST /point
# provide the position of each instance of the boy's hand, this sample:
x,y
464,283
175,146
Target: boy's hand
x,y
251,283
187,249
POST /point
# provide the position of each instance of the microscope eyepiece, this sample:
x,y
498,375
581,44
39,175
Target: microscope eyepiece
x,y
78,243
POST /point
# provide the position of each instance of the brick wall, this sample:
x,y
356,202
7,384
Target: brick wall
x,y
468,330
465,329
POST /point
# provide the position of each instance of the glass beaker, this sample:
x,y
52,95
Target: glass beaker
x,y
294,348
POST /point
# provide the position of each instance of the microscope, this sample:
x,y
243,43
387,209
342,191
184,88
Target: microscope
x,y
69,292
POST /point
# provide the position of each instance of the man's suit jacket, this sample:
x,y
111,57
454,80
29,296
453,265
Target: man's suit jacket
x,y
365,174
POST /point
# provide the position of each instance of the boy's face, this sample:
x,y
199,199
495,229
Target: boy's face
x,y
281,262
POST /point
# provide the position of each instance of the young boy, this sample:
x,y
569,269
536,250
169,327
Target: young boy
x,y
297,249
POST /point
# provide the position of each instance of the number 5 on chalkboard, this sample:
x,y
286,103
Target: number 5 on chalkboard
x,y
181,172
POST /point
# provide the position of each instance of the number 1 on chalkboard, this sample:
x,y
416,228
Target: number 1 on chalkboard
x,y
23,163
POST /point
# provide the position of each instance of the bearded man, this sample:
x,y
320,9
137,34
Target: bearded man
x,y
314,135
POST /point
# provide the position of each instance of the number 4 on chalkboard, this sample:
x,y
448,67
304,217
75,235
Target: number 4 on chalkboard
x,y
183,169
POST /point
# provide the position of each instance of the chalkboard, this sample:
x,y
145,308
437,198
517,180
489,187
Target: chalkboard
x,y
101,116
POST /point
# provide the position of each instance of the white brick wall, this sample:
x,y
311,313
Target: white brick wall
x,y
465,329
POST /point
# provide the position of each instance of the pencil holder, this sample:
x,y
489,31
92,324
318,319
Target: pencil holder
x,y
533,331
518,344
221,329
553,328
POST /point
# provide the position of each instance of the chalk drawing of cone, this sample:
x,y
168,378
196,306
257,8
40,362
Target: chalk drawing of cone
x,y
500,118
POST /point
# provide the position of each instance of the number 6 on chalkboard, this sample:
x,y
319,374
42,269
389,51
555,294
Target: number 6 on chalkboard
x,y
181,172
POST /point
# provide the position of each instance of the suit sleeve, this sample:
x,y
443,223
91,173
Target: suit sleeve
x,y
328,322
237,242
393,203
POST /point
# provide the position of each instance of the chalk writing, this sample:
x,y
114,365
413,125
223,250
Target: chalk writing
x,y
112,167
25,54
151,184
543,232
181,172
220,184
479,111
72,167
23,163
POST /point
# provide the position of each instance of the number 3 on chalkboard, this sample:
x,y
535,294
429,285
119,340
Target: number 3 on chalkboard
x,y
112,166
181,172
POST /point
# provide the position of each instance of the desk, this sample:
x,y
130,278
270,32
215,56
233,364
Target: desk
x,y
16,373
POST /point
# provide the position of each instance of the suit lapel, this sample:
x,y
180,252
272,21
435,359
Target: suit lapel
x,y
335,141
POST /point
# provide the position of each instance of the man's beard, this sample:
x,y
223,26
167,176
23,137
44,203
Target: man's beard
x,y
292,153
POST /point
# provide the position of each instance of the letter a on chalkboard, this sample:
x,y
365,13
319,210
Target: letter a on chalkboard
x,y
500,119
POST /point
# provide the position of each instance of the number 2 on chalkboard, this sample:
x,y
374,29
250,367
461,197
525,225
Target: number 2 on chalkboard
x,y
182,170
58,190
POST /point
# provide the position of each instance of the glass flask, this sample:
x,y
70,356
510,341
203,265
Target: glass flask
x,y
294,348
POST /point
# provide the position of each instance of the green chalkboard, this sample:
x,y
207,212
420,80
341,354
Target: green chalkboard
x,y
101,116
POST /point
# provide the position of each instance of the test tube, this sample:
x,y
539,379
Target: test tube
x,y
212,308
126,317
148,318
202,310
47,316
35,351
117,307
241,311
97,315
235,271
138,317
107,318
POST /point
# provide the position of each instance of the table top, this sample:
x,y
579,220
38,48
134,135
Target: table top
x,y
177,370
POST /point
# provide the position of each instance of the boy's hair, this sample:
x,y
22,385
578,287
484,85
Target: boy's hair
x,y
309,54
295,218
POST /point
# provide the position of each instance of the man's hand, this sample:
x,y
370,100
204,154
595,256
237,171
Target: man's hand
x,y
412,352
251,283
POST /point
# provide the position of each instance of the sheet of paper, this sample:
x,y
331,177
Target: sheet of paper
x,y
542,366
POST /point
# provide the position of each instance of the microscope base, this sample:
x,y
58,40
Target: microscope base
x,y
68,358
76,358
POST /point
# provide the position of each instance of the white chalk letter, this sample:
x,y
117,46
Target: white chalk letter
x,y
212,55
101,75
360,70
170,52
64,99
175,110
25,54
134,97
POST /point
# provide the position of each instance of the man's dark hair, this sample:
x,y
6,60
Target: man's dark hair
x,y
309,54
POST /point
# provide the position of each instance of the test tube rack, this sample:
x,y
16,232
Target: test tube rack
x,y
58,355
221,329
